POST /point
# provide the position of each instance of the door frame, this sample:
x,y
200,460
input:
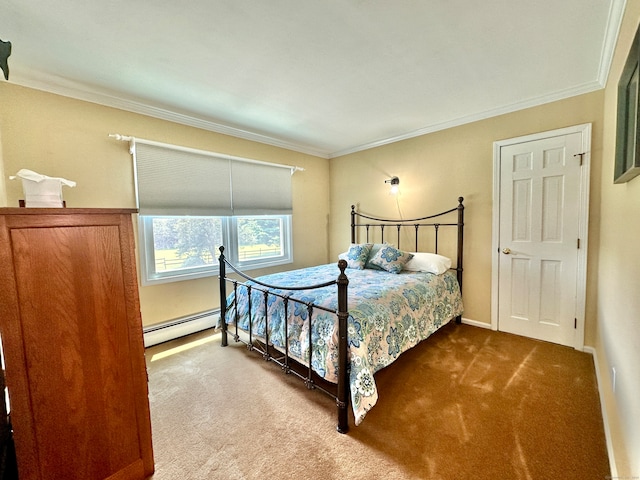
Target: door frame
x,y
583,223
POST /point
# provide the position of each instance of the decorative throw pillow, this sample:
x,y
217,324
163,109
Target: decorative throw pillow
x,y
391,259
357,255
428,262
374,251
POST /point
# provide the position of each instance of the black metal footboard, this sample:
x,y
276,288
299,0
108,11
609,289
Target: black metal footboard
x,y
281,356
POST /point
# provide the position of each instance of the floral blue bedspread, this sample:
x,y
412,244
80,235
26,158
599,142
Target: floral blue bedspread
x,y
388,314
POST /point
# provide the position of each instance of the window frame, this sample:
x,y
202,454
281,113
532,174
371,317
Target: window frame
x,y
149,276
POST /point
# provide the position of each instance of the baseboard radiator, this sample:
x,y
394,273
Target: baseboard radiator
x,y
179,327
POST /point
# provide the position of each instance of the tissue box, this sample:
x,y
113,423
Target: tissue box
x,y
45,193
40,190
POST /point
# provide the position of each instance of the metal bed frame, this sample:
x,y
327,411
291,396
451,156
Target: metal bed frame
x,y
340,391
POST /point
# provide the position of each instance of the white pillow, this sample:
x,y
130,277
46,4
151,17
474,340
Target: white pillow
x,y
428,262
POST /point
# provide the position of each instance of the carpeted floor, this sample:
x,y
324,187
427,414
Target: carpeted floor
x,y
467,403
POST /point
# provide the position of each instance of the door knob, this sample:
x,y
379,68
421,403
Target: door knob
x,y
506,251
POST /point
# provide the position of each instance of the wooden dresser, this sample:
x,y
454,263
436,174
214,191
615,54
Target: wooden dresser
x,y
72,339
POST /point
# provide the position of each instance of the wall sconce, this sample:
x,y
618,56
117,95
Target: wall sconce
x,y
394,182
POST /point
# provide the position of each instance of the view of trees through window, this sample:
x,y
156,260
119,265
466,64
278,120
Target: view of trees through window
x,y
185,242
259,237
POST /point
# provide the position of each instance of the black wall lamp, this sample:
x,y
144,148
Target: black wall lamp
x,y
394,182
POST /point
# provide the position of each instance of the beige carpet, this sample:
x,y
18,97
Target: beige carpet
x,y
467,403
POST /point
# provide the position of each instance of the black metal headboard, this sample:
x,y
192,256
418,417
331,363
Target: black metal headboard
x,y
415,223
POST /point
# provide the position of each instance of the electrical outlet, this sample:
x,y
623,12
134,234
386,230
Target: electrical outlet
x,y
613,379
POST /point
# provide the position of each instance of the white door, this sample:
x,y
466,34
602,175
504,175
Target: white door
x,y
541,238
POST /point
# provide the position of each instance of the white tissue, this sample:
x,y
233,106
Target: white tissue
x,y
41,190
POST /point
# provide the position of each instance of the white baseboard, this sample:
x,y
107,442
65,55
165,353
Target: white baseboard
x,y
475,323
605,418
180,327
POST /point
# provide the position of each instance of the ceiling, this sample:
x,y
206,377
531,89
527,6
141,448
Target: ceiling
x,y
324,77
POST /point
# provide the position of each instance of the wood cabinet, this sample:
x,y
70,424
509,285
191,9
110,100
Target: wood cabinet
x,y
72,340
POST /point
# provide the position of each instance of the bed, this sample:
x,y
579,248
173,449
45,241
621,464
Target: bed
x,y
335,326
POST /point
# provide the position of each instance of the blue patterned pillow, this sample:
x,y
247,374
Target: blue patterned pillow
x,y
374,250
391,259
357,255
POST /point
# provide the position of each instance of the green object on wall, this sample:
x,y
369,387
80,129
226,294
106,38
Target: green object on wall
x,y
5,51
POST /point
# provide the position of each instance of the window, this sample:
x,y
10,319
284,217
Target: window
x,y
185,247
192,201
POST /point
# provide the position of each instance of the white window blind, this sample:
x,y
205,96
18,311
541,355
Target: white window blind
x,y
259,189
179,181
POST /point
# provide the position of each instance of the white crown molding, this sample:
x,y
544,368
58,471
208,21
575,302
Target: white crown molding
x,y
78,91
514,107
614,22
67,88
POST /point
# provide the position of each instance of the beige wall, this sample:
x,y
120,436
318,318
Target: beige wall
x,y
618,279
61,137
437,168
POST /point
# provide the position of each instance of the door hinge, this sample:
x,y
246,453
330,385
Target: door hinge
x,y
575,323
578,244
581,155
